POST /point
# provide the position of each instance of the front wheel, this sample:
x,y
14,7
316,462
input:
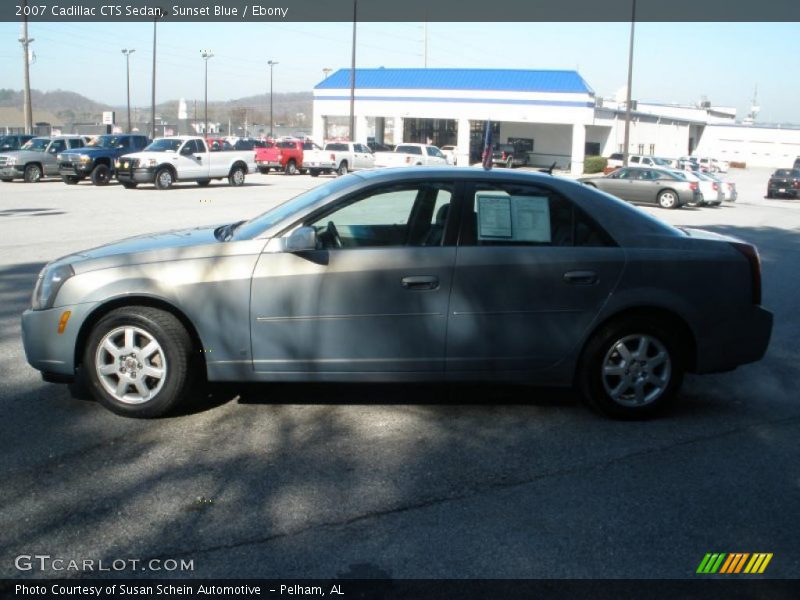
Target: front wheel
x,y
138,362
313,172
69,179
164,179
631,368
342,170
203,182
101,175
291,168
668,199
32,174
129,185
236,176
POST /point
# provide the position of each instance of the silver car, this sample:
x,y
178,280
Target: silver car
x,y
648,185
410,274
37,158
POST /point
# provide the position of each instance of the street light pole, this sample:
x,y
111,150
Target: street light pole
x,y
26,51
327,71
271,64
127,52
153,84
627,138
353,75
206,54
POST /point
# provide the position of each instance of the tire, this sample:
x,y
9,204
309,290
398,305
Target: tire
x,y
131,383
769,194
263,170
313,172
32,174
631,387
291,168
7,179
129,185
342,170
510,163
668,199
164,179
236,176
203,182
303,171
101,175
69,179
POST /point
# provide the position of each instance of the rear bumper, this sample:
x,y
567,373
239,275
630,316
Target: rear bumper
x,y
736,342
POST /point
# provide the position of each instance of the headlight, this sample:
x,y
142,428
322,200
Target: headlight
x,y
152,162
84,158
47,285
12,160
117,163
59,157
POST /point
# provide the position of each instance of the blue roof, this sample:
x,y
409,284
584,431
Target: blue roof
x,y
507,80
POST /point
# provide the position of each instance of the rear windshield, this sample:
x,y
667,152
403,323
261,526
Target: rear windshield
x,y
336,147
787,173
408,150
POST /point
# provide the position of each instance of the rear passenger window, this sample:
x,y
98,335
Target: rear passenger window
x,y
523,215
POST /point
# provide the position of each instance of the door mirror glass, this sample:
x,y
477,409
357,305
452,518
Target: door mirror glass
x,y
300,240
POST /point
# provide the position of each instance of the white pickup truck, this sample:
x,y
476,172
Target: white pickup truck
x,y
410,154
183,158
339,157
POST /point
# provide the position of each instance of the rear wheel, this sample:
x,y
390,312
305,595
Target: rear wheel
x,y
342,170
236,176
164,179
313,172
668,199
69,179
291,168
203,182
138,361
101,175
263,170
631,368
7,179
129,185
32,174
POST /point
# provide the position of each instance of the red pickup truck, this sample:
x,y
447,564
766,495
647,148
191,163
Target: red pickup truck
x,y
284,155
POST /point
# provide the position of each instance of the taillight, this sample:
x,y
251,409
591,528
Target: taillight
x,y
730,186
333,157
504,155
693,186
751,254
715,186
408,159
796,184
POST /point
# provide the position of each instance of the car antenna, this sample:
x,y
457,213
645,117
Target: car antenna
x,y
548,170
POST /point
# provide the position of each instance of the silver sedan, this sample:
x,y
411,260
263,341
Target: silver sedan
x,y
414,274
648,185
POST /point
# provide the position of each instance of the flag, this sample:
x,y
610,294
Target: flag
x,y
487,146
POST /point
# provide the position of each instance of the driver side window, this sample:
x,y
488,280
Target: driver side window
x,y
405,215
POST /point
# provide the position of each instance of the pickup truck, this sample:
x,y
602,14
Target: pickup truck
x,y
784,182
339,157
96,159
182,158
410,154
36,158
284,155
509,155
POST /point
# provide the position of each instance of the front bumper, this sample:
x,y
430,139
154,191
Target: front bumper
x,y
736,342
137,175
70,169
45,349
11,172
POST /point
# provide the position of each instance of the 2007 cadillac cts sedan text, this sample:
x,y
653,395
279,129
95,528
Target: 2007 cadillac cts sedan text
x,y
414,274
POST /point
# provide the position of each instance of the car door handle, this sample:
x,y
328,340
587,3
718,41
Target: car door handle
x,y
580,277
423,282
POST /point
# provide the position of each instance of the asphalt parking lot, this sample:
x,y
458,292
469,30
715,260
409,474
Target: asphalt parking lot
x,y
423,481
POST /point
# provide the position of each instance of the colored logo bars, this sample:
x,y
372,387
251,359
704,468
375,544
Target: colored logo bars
x,y
729,564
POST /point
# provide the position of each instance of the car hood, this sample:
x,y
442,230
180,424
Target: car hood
x,y
22,153
87,150
179,244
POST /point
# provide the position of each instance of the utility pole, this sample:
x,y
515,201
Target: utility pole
x,y
206,54
353,76
627,139
153,85
127,52
327,71
271,64
26,41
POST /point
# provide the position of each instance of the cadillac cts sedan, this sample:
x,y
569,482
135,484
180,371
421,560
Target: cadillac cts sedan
x,y
411,274
648,185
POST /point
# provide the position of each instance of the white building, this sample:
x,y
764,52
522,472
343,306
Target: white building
x,y
554,114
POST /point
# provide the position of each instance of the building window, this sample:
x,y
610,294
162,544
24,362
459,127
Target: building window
x,y
652,149
640,149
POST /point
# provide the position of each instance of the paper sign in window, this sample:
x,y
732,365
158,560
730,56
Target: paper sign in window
x,y
494,216
530,219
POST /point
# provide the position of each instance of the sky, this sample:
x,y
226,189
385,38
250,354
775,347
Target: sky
x,y
674,62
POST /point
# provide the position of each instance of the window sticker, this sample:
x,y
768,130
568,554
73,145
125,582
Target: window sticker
x,y
494,215
530,218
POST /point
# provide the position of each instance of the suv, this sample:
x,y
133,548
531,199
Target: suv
x,y
796,163
36,158
509,155
96,159
784,182
13,142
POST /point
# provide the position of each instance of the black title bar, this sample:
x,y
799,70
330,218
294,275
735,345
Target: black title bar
x,y
401,10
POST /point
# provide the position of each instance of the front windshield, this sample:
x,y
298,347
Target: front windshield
x,y
36,144
104,141
164,145
252,228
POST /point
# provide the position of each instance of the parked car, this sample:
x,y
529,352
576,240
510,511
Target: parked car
x,y
729,193
406,275
218,144
283,155
96,159
711,193
13,142
784,182
182,158
340,157
509,155
690,163
36,158
248,144
797,163
450,153
378,147
639,160
712,165
664,187
411,155
617,159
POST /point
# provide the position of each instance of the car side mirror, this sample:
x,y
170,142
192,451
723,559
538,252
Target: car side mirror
x,y
301,240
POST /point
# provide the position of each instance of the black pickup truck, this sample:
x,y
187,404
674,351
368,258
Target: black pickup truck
x,y
96,159
784,182
509,155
